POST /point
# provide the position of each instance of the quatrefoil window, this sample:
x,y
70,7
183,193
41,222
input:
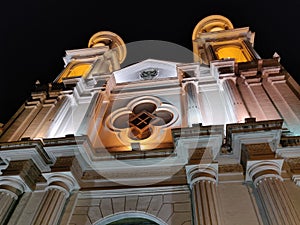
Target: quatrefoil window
x,y
141,121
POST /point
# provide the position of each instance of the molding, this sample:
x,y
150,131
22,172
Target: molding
x,y
296,179
145,191
253,137
24,150
288,152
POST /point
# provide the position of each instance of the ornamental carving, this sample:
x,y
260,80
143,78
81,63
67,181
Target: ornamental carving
x,y
148,74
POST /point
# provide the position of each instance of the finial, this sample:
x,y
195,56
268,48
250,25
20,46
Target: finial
x,y
276,56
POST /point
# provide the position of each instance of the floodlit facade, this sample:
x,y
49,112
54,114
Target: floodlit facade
x,y
212,141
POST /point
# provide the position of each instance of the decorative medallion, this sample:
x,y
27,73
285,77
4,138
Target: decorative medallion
x,y
149,74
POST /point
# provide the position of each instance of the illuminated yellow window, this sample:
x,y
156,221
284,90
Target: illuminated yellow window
x,y
79,70
232,51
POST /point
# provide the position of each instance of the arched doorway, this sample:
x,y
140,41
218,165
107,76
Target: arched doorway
x,y
133,221
131,218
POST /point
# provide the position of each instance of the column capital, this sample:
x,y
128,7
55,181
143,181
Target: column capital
x,y
196,173
64,181
13,185
260,161
257,170
60,186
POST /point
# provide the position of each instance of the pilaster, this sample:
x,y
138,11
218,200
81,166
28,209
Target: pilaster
x,y
264,169
203,180
60,186
10,190
194,113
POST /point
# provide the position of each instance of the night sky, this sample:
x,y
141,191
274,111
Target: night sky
x,y
35,34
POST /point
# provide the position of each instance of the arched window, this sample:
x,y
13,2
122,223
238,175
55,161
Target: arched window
x,y
232,51
77,70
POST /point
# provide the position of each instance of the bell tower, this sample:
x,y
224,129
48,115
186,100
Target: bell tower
x,y
215,38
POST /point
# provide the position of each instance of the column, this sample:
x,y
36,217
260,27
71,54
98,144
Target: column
x,y
194,113
272,193
10,190
203,181
58,191
235,98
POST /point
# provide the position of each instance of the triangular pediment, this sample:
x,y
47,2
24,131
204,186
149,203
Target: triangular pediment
x,y
148,69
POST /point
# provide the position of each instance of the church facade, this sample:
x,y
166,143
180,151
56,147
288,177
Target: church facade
x,y
213,141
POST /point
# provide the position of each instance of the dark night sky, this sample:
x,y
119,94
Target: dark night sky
x,y
35,34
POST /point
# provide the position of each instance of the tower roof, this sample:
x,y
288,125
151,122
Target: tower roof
x,y
108,38
212,23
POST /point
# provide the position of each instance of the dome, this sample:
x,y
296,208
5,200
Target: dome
x,y
212,23
110,39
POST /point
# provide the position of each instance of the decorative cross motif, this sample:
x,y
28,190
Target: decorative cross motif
x,y
140,124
